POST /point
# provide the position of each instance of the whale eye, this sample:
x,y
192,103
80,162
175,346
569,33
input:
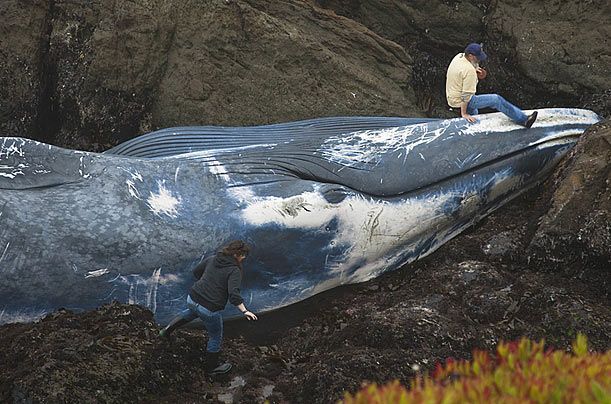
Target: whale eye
x,y
334,193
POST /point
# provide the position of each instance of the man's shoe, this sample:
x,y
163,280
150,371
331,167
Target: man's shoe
x,y
531,119
220,369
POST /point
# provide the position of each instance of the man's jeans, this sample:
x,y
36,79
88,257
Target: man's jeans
x,y
213,321
497,102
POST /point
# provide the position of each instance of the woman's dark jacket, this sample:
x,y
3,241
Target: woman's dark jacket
x,y
218,279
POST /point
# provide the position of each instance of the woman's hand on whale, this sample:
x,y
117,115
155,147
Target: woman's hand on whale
x,y
249,314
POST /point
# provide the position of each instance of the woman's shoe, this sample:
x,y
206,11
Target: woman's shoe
x,y
221,369
213,367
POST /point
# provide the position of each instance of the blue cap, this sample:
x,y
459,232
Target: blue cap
x,y
477,50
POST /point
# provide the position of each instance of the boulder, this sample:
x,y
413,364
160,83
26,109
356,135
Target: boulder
x,y
561,46
431,31
574,235
541,53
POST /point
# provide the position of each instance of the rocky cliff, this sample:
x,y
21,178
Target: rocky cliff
x,y
91,74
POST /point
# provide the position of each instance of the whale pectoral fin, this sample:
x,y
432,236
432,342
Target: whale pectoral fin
x,y
27,164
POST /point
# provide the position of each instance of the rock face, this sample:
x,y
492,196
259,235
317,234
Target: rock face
x,y
23,40
541,53
555,49
562,46
432,32
89,75
287,60
574,235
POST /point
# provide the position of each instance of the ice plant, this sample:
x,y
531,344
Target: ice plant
x,y
520,372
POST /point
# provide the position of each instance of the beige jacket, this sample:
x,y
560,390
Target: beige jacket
x,y
461,81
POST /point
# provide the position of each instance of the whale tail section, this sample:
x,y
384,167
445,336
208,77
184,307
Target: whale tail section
x,y
27,164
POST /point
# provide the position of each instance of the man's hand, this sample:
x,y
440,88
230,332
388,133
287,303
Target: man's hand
x,y
250,315
469,118
481,73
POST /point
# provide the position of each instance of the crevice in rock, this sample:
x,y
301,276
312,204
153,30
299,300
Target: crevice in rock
x,y
428,78
48,121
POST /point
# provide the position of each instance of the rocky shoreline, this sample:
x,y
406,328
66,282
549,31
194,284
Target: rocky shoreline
x,y
90,75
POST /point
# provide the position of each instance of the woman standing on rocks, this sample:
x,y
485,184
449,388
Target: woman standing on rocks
x,y
218,279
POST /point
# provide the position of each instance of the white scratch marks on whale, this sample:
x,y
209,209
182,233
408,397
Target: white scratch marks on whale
x,y
14,148
142,291
151,294
14,171
131,188
369,146
5,248
82,168
131,183
163,202
96,273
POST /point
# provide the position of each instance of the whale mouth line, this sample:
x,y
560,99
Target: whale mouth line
x,y
560,139
566,137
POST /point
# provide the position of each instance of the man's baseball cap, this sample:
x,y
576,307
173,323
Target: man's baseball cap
x,y
477,50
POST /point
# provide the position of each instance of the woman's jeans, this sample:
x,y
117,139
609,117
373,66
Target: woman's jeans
x,y
213,321
497,102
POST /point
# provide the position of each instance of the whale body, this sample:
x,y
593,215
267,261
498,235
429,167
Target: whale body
x,y
323,202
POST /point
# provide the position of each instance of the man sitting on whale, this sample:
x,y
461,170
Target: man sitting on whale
x,y
461,85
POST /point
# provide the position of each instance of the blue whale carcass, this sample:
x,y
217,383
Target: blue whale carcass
x,y
323,202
